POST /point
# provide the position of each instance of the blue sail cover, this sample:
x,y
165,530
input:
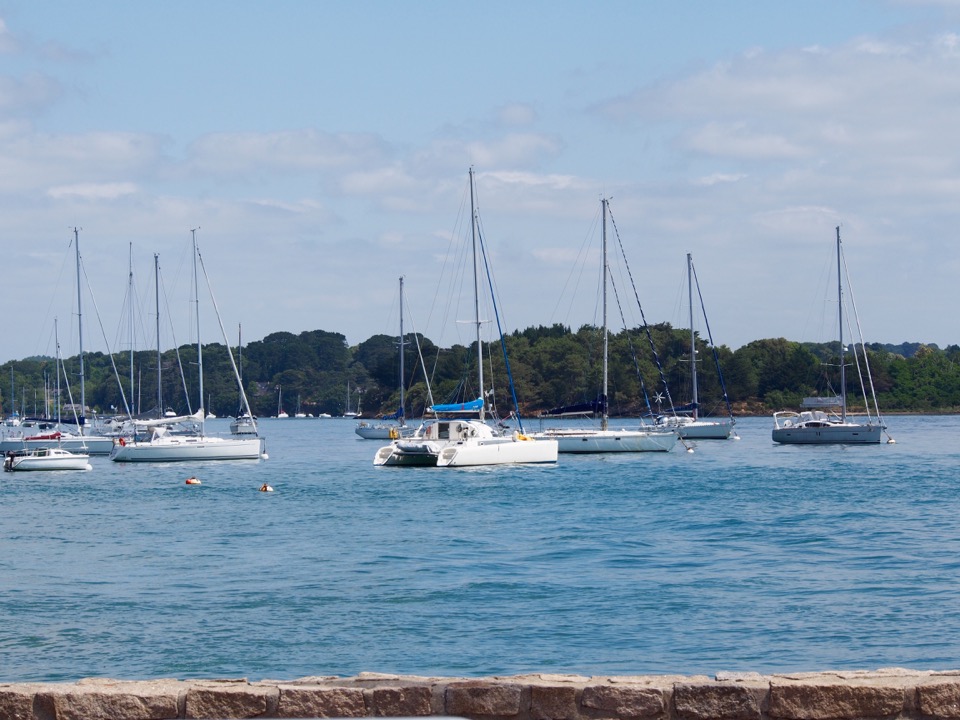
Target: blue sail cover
x,y
398,415
596,407
474,406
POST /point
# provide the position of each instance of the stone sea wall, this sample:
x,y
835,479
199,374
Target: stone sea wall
x,y
886,694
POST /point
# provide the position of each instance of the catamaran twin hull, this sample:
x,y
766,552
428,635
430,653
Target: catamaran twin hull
x,y
408,455
499,451
493,451
177,449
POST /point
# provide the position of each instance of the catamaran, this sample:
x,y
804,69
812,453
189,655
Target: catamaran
x,y
460,435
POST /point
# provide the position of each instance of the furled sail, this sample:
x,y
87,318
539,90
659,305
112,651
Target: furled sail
x,y
398,415
595,407
474,406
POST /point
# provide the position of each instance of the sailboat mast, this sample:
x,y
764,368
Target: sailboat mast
x,y
196,285
156,289
130,310
843,369
606,341
693,341
402,418
56,335
476,296
240,359
83,391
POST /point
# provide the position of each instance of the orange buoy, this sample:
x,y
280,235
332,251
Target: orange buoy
x,y
192,481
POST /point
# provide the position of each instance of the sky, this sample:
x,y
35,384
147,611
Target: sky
x,y
320,150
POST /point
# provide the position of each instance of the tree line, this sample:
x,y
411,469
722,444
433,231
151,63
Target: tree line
x,y
649,368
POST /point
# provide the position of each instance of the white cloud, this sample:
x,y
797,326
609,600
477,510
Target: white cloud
x,y
25,96
31,161
93,191
517,114
741,141
285,151
717,178
749,163
8,43
383,180
513,150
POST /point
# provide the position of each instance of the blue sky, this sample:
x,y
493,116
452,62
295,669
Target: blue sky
x,y
322,148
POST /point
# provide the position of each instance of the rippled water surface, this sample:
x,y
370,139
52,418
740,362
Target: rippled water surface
x,y
740,556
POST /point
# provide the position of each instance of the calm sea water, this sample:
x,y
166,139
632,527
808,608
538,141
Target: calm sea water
x,y
741,556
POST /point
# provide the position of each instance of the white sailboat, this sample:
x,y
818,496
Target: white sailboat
x,y
687,421
281,413
348,413
824,421
603,439
299,413
390,430
244,423
456,438
35,433
161,445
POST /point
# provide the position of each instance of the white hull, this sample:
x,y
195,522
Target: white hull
x,y
498,451
610,441
47,459
90,444
243,426
814,427
825,421
179,448
706,430
838,434
462,443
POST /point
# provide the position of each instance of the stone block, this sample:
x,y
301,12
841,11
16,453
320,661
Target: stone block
x,y
412,701
106,703
624,701
715,701
321,702
477,698
553,702
939,699
813,700
229,701
16,703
